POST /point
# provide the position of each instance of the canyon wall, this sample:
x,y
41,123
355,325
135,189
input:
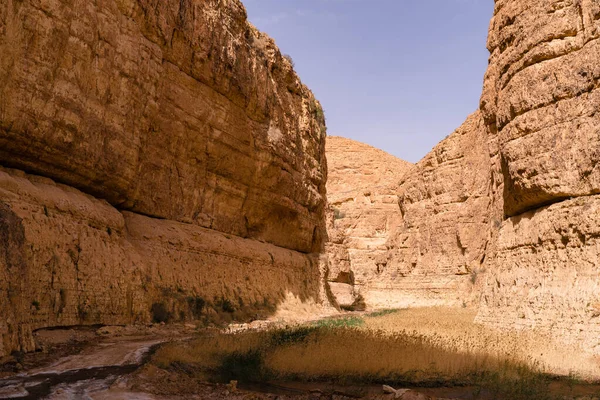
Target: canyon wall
x,y
540,104
438,249
403,235
505,212
362,211
175,164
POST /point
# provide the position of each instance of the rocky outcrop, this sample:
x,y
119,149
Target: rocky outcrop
x,y
505,210
175,162
363,210
173,109
438,249
540,103
540,99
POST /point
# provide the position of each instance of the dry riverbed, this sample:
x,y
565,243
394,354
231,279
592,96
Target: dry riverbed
x,y
431,353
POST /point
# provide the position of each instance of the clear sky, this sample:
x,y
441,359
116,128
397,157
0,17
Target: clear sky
x,y
399,75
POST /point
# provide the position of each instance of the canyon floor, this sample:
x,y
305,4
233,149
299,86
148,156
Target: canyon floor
x,y
426,353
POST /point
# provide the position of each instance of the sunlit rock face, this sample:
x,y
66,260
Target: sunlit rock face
x,y
503,213
362,212
540,104
438,249
172,154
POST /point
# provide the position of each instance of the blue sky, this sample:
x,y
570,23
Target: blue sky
x,y
399,75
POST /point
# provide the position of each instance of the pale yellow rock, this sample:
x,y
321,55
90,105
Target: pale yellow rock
x,y
363,208
540,103
438,248
545,273
541,99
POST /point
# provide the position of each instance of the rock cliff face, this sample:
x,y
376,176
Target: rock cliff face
x,y
510,200
540,103
438,249
409,235
363,209
504,213
172,155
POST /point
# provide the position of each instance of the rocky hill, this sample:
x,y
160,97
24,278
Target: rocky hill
x,y
362,210
160,160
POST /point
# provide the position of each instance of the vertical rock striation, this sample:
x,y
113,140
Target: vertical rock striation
x,y
363,210
438,250
173,157
505,211
540,103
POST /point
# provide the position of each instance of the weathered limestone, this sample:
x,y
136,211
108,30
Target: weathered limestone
x,y
540,98
70,259
173,109
363,210
540,103
545,273
438,249
191,162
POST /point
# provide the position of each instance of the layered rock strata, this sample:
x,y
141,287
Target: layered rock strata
x,y
175,165
438,249
362,211
540,103
510,199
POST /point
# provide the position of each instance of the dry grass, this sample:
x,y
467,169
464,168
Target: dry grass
x,y
422,347
334,352
454,329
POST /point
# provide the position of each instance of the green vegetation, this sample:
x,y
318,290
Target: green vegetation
x,y
382,313
345,322
338,214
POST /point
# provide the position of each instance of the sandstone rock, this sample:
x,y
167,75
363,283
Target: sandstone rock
x,y
177,109
363,209
540,99
509,201
70,259
545,273
540,106
190,163
438,248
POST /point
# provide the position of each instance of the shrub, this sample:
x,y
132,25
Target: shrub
x,y
196,306
290,60
160,313
382,313
338,214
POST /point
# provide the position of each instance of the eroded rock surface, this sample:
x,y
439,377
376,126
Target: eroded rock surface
x,y
174,109
363,210
190,160
505,209
540,104
73,259
438,248
541,99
